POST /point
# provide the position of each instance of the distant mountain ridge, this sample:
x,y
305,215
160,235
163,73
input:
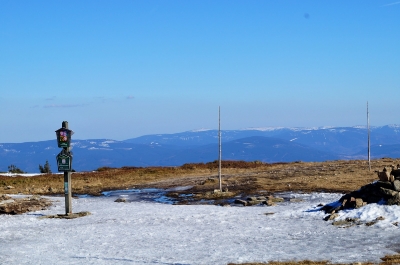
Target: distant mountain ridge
x,y
263,144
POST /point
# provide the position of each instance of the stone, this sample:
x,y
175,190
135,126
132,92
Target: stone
x,y
359,203
343,223
121,200
395,200
269,203
277,199
331,217
396,173
251,203
388,193
396,185
384,184
239,201
331,208
350,203
384,176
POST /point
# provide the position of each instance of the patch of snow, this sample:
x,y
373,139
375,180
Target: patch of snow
x,y
109,142
155,233
263,129
8,174
97,148
200,130
11,150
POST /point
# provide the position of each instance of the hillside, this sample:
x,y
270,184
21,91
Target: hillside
x,y
262,144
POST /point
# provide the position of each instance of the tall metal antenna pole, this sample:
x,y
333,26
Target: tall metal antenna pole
x,y
219,144
369,140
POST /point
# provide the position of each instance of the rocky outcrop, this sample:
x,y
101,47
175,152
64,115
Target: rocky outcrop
x,y
386,191
260,200
9,205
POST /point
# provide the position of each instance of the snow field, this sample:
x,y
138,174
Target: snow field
x,y
155,233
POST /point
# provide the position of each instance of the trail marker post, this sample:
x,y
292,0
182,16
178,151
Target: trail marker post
x,y
64,162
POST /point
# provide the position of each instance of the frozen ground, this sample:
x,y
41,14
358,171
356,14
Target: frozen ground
x,y
155,233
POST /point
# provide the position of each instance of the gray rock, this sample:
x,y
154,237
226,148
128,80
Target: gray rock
x,y
239,201
277,199
331,208
396,185
388,193
331,217
269,203
384,184
394,200
359,203
251,203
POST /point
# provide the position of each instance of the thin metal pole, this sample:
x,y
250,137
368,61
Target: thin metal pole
x,y
219,144
369,140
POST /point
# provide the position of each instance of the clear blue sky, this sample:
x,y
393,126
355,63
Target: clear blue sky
x,y
122,69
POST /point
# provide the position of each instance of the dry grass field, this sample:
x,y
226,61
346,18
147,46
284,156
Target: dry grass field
x,y
237,176
387,260
246,178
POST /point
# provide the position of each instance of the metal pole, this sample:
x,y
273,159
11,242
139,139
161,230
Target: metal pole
x,y
369,140
219,143
67,182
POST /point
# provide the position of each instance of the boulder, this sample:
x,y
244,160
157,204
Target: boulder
x,y
388,193
121,200
384,175
394,200
239,201
269,203
396,185
384,184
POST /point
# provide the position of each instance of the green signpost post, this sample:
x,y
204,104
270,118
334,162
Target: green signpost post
x,y
64,162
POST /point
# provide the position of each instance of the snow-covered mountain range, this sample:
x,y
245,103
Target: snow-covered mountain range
x,y
264,144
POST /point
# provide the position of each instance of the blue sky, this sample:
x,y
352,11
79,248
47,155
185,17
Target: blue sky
x,y
122,69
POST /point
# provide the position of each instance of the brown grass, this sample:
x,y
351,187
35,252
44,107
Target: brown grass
x,y
387,260
238,177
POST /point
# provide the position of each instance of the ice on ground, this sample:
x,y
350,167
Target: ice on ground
x,y
156,233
